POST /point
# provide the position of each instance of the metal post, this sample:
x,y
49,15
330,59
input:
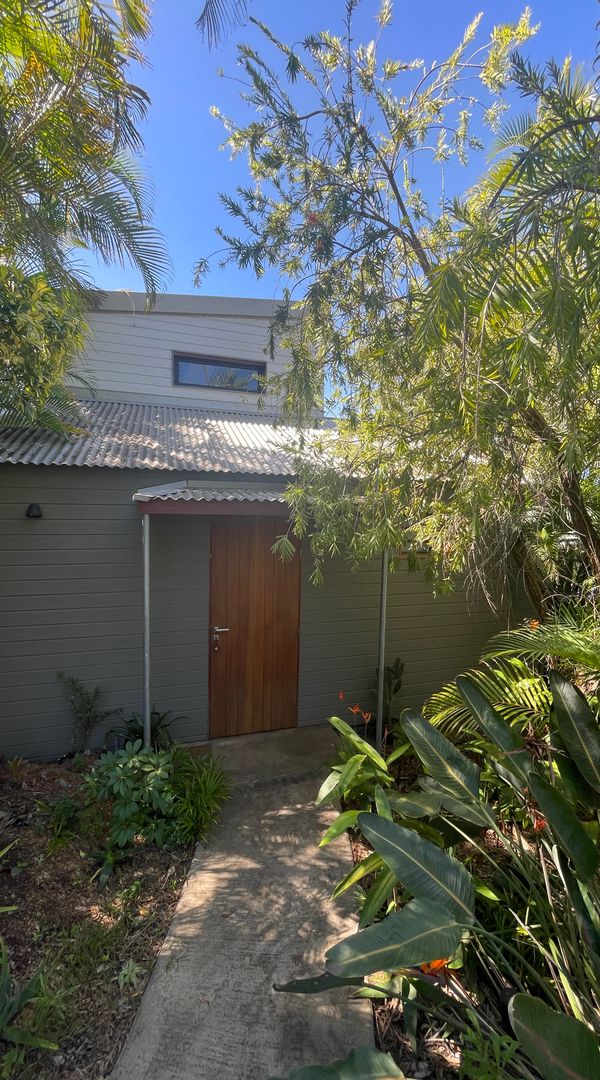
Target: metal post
x,y
147,706
385,559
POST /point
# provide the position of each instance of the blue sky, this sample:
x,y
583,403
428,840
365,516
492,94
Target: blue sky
x,y
182,138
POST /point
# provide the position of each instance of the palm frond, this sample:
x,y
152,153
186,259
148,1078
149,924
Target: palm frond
x,y
519,695
554,640
218,16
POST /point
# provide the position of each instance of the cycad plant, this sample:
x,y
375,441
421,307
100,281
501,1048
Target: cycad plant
x,y
529,935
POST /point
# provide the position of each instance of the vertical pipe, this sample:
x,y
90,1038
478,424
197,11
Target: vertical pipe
x,y
385,558
146,551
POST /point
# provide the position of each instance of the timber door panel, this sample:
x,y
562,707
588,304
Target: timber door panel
x,y
253,663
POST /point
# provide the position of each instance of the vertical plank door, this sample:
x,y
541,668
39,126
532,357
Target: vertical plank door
x,y
255,599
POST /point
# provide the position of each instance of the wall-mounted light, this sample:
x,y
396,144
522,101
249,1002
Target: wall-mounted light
x,y
34,510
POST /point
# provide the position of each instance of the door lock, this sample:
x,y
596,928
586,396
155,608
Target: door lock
x,y
217,630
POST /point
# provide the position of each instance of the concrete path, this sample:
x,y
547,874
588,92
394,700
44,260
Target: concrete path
x,y
254,911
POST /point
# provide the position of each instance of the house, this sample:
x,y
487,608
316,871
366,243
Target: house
x,y
236,640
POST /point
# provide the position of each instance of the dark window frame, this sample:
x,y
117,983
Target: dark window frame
x,y
258,368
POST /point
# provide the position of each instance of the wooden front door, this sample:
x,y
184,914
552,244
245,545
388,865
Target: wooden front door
x,y
255,600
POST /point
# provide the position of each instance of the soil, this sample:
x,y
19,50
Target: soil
x,y
94,945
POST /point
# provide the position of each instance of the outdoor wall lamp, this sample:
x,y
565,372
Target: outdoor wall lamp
x,y
34,510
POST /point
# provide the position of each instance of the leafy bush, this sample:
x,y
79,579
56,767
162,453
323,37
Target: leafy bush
x,y
160,724
85,705
163,796
200,785
359,772
530,936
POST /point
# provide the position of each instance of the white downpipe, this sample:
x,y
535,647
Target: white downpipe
x,y
146,551
385,560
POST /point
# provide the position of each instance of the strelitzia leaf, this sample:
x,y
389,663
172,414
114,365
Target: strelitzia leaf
x,y
455,773
415,804
494,726
566,826
425,870
380,891
342,822
559,1046
578,728
363,1064
366,866
361,745
419,933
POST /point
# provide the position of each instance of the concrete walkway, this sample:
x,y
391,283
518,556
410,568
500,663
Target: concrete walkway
x,y
254,911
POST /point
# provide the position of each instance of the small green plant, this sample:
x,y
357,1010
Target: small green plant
x,y
63,818
486,1054
85,706
136,783
392,685
13,1000
160,725
359,772
17,767
201,785
129,975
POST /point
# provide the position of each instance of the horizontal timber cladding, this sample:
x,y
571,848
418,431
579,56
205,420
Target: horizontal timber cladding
x,y
436,637
71,600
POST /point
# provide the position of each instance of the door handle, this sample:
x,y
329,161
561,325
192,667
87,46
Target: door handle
x,y
220,629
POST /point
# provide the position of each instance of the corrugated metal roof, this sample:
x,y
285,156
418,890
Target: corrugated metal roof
x,y
189,493
122,435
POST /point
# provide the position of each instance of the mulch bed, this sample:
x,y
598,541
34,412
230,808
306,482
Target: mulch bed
x,y
94,945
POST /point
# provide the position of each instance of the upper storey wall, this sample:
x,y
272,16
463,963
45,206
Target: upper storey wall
x,y
129,354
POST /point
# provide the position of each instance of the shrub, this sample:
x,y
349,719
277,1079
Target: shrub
x,y
163,796
160,723
85,706
201,785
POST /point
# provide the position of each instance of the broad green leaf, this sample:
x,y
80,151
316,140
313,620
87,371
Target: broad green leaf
x,y
476,815
425,870
559,1046
350,770
397,753
317,985
382,803
378,894
454,772
494,726
366,866
578,728
361,745
342,822
328,788
419,933
415,804
363,1064
577,788
566,826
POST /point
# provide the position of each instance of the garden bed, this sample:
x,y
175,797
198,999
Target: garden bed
x,y
94,944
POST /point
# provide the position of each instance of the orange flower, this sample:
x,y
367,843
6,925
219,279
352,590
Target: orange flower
x,y
539,822
341,695
434,966
355,709
366,717
534,624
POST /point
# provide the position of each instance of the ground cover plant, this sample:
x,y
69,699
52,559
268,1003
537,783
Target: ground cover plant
x,y
98,850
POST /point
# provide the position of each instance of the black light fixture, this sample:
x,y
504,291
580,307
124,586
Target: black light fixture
x,y
34,510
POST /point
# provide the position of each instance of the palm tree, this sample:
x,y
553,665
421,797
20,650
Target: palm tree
x,y
218,15
69,133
